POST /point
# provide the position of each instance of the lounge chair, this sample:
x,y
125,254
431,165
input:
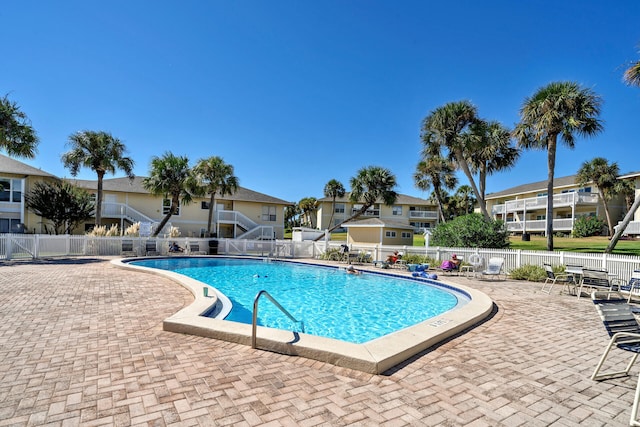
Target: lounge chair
x,y
494,268
633,285
624,330
594,280
566,280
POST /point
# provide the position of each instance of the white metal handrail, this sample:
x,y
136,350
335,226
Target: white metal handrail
x,y
254,318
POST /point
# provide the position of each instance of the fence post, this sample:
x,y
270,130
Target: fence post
x,y
68,244
604,260
36,246
9,241
519,258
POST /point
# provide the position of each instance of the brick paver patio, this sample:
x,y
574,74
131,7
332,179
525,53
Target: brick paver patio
x,y
81,343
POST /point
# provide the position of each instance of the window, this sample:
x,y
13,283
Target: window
x,y
397,210
406,235
390,233
9,225
268,213
166,206
339,208
542,194
204,205
585,190
541,217
11,190
372,211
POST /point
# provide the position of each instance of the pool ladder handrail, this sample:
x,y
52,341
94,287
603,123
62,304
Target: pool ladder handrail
x,y
254,319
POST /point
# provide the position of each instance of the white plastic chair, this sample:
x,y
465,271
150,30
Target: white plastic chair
x,y
494,268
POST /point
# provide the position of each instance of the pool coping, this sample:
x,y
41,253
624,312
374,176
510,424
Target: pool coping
x,y
375,356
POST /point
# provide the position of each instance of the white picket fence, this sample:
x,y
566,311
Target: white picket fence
x,y
38,246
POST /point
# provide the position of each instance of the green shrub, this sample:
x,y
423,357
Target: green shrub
x,y
586,226
532,273
471,231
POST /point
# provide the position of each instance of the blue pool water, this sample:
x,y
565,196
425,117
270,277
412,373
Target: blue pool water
x,y
330,303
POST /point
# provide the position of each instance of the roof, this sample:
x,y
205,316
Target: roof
x,y
565,181
402,199
9,165
135,186
377,222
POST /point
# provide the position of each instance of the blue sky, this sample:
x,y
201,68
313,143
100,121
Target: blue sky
x,y
295,93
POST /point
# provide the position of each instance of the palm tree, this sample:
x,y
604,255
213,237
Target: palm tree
x,y
560,109
216,177
491,151
333,189
308,205
100,152
17,137
436,172
371,183
464,194
171,177
632,74
604,176
632,78
445,128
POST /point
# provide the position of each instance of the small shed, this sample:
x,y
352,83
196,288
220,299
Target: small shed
x,y
378,231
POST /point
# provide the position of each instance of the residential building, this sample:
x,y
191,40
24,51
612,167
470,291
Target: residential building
x,y
420,214
524,207
245,214
16,179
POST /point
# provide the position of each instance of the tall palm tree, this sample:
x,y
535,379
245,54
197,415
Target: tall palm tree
x,y
102,153
444,128
335,190
439,173
308,206
632,78
216,177
371,183
632,74
604,176
490,151
464,194
17,136
558,110
171,177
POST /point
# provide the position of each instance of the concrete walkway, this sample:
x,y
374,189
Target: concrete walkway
x,y
81,343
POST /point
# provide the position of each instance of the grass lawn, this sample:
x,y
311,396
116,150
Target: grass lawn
x,y
596,244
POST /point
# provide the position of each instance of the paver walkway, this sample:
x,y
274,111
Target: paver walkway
x,y
81,343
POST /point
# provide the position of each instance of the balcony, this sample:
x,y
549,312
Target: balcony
x,y
560,224
431,215
534,203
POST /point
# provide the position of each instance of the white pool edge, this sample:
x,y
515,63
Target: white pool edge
x,y
375,357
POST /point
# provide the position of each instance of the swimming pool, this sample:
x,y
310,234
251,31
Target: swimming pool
x,y
374,356
325,301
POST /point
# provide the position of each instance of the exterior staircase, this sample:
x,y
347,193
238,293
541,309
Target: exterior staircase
x,y
252,230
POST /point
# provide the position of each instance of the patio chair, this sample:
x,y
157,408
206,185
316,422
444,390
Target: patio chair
x,y
150,248
475,266
494,268
594,280
552,278
632,285
127,249
624,330
194,249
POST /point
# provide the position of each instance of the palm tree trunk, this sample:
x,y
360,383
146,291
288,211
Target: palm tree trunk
x,y
436,192
352,217
623,226
465,168
165,220
99,199
551,165
333,209
607,214
211,208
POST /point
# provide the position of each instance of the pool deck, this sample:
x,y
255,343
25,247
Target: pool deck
x,y
81,343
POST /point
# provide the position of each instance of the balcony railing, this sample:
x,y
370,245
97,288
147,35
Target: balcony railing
x,y
423,215
540,225
534,203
